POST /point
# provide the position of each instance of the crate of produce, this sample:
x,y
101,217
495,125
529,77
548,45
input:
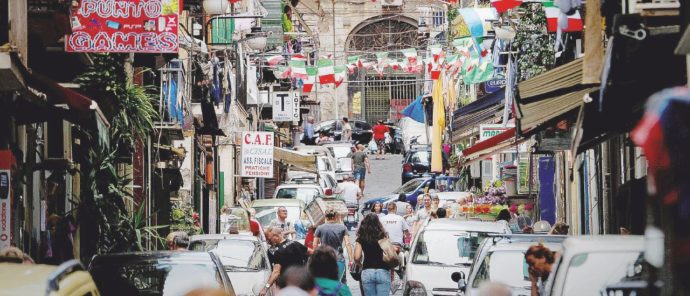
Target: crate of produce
x,y
316,210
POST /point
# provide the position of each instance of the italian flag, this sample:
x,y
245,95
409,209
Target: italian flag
x,y
351,68
326,71
298,69
339,74
282,72
382,59
274,60
298,57
552,15
410,54
436,51
503,5
308,83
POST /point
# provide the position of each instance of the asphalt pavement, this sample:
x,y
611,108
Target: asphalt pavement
x,y
384,178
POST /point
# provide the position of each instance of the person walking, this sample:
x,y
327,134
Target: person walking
x,y
283,255
377,209
380,131
360,166
402,204
308,133
323,265
396,230
349,191
334,234
346,134
283,224
423,214
376,280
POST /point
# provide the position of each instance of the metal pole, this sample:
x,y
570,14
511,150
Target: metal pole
x,y
335,97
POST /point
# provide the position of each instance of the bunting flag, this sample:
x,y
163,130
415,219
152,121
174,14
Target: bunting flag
x,y
298,69
436,52
382,59
479,70
339,74
572,24
395,65
450,61
311,79
464,46
503,5
410,54
298,57
326,71
351,68
274,60
282,72
354,60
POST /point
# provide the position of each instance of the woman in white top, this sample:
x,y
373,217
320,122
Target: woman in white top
x,y
347,130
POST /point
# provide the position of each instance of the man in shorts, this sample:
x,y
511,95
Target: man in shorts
x,y
360,166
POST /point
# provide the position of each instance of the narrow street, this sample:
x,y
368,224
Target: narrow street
x,y
384,178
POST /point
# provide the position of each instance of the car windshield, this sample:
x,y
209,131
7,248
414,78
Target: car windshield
x,y
240,254
294,213
433,247
324,164
236,218
340,151
508,267
155,277
590,272
423,157
409,187
304,194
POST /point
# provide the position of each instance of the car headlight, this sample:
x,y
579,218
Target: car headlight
x,y
414,288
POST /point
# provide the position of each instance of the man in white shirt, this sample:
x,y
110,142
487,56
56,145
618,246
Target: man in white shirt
x,y
349,191
395,225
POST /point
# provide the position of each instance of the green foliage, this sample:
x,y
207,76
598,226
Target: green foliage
x,y
184,219
533,42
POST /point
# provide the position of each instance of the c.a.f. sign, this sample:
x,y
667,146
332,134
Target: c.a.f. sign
x,y
257,155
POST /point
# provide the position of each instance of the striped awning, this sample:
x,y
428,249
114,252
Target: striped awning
x,y
550,96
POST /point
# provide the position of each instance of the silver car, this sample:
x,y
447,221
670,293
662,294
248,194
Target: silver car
x,y
501,259
244,258
442,247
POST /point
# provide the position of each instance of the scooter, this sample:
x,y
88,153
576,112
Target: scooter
x,y
352,218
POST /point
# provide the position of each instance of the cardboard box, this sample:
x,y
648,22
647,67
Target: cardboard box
x,y
316,210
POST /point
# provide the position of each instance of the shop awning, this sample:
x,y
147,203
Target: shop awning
x,y
481,103
496,144
301,161
466,119
551,95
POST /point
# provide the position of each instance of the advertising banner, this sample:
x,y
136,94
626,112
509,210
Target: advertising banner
x,y
138,26
5,208
489,130
257,155
286,106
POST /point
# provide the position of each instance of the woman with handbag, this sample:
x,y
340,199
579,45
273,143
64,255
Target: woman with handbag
x,y
375,276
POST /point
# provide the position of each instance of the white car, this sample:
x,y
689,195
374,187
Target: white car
x,y
502,259
304,192
325,159
341,152
327,183
442,247
589,263
244,258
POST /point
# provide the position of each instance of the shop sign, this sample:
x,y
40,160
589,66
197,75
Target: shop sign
x,y
138,26
257,155
5,209
489,130
495,85
285,106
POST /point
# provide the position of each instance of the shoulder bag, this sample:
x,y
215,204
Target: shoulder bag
x,y
390,256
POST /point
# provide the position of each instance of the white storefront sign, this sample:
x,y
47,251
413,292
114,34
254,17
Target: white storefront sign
x,y
282,106
489,130
5,209
257,155
296,97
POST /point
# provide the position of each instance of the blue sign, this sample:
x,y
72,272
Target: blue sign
x,y
494,85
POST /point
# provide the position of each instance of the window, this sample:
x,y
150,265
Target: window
x,y
423,157
511,269
432,247
589,272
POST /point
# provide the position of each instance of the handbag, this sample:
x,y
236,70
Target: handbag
x,y
390,256
356,271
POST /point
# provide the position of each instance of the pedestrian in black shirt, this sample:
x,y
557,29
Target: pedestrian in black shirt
x,y
376,280
284,254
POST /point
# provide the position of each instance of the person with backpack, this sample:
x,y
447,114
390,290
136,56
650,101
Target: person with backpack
x,y
323,265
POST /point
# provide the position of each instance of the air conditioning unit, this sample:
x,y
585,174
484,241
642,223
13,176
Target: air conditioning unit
x,y
392,3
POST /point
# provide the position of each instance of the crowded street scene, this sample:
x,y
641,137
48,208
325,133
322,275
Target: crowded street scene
x,y
344,147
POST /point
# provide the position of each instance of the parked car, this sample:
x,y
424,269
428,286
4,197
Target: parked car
x,y
326,161
413,189
342,153
442,247
303,191
361,130
244,258
588,264
417,162
67,279
158,273
501,259
327,183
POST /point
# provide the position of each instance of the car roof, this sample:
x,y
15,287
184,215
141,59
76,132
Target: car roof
x,y
24,279
223,236
179,256
522,242
276,202
595,243
446,224
297,185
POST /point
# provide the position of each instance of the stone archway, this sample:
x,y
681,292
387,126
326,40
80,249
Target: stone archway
x,y
382,96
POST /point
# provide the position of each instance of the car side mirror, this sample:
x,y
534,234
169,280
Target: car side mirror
x,y
459,277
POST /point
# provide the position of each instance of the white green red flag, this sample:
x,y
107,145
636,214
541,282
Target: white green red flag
x,y
410,54
308,83
298,57
326,71
339,74
436,51
274,60
282,72
298,69
553,13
